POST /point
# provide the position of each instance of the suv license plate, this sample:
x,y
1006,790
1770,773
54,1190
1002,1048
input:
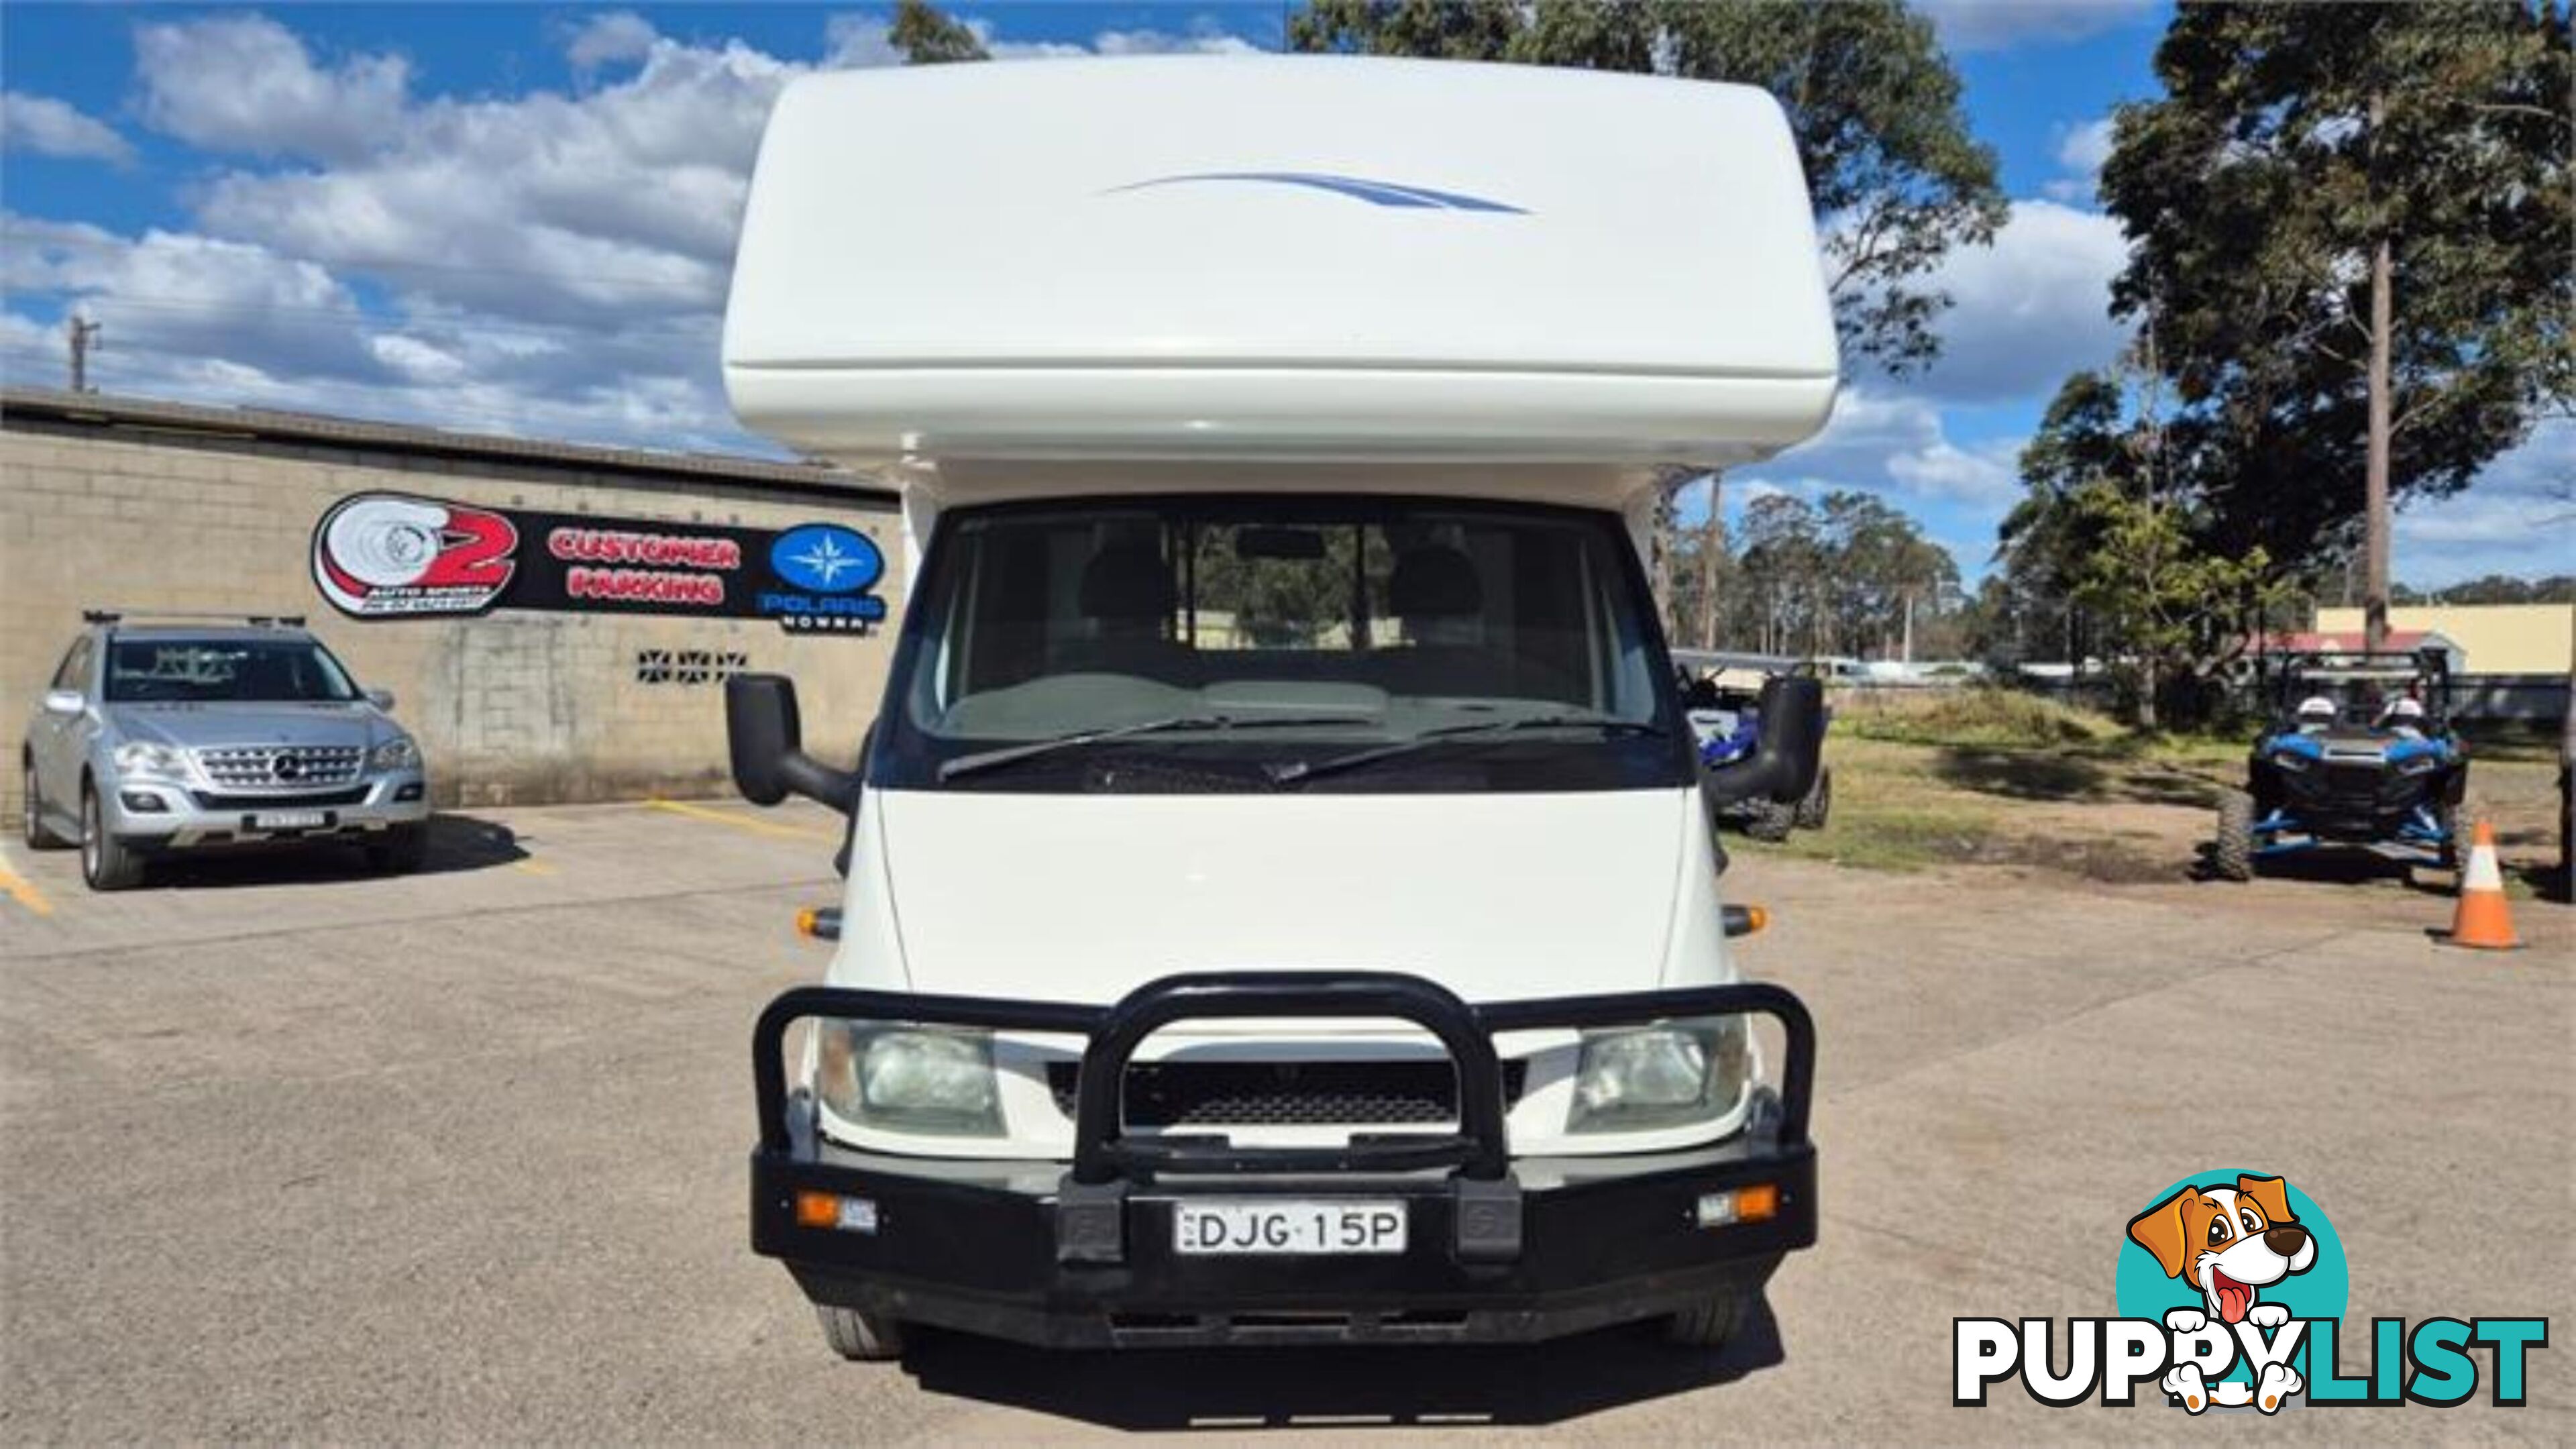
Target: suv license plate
x,y
1288,1226
289,820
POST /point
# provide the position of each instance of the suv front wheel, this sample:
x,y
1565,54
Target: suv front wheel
x,y
107,863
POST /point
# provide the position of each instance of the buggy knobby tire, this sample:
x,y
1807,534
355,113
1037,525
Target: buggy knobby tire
x,y
1814,810
1770,820
2231,855
860,1337
2448,815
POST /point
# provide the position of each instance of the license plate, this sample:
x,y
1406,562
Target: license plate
x,y
1288,1226
289,819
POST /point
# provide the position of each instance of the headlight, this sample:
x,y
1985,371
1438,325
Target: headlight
x,y
2289,760
909,1079
397,753
139,758
1670,1075
2417,765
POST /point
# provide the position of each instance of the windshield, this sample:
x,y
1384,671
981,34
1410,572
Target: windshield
x,y
264,671
1237,643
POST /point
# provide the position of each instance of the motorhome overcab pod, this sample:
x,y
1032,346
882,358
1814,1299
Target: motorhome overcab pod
x,y
1281,896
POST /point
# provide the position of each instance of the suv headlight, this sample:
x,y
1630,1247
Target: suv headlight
x,y
398,753
909,1079
1668,1075
140,758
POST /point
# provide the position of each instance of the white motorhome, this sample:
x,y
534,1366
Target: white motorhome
x,y
1282,900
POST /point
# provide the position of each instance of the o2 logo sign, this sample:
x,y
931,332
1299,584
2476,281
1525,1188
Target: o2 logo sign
x,y
824,573
389,555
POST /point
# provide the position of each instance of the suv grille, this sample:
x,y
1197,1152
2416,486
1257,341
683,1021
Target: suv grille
x,y
1285,1094
282,767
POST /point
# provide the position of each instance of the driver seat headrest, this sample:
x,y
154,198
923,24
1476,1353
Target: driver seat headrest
x,y
1126,583
1434,581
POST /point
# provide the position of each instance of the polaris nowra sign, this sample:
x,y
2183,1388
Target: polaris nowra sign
x,y
383,556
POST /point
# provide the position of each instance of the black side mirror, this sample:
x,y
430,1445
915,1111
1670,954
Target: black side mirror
x,y
766,738
1783,766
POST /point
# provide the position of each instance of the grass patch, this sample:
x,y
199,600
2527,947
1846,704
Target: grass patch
x,y
1978,715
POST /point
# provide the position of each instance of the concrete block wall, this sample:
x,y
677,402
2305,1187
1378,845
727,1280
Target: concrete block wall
x,y
510,708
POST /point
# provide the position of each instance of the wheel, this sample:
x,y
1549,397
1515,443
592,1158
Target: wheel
x,y
401,850
1709,1324
107,864
2231,855
2446,814
860,1337
31,825
1770,820
1819,804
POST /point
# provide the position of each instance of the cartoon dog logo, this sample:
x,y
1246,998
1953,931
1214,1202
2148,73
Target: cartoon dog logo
x,y
2230,1243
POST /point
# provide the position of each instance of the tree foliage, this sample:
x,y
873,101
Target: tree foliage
x,y
2113,545
2292,140
928,36
1873,102
1846,575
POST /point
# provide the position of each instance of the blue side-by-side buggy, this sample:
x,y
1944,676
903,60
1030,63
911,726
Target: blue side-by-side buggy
x,y
1727,719
2360,753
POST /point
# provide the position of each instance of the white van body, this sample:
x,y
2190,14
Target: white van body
x,y
1308,278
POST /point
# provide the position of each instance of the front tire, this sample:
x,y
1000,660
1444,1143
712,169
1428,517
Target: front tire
x,y
1770,820
107,864
2454,850
1819,804
2231,855
860,1337
31,825
1710,1324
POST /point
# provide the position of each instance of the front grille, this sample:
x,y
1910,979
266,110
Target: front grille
x,y
282,768
1285,1094
212,800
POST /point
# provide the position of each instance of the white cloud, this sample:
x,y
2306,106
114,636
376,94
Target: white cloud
x,y
2031,307
2518,517
1895,442
612,38
2081,149
543,205
1969,25
244,83
48,127
855,42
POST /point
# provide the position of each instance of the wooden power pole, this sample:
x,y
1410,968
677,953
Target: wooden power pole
x,y
84,337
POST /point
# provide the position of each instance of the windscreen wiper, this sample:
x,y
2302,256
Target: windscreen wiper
x,y
1012,754
1450,734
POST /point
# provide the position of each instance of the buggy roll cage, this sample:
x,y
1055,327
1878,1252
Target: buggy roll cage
x,y
2426,672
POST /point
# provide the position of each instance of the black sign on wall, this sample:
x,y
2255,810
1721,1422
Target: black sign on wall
x,y
380,556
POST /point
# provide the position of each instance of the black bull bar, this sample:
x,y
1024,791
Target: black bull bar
x,y
1091,1196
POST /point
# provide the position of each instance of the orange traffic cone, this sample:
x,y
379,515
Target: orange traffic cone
x,y
2483,920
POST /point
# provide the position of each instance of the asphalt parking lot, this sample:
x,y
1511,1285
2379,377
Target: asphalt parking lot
x,y
288,1151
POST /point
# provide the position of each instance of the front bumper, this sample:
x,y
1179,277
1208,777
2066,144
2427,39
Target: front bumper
x,y
1081,1254
191,816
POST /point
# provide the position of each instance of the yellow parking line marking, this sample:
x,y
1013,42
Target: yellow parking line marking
x,y
24,892
721,817
532,866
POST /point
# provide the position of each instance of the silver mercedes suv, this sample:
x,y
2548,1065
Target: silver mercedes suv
x,y
179,733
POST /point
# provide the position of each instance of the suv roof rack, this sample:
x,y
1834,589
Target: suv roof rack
x,y
112,616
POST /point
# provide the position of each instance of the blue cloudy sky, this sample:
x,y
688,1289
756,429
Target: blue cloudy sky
x,y
519,218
